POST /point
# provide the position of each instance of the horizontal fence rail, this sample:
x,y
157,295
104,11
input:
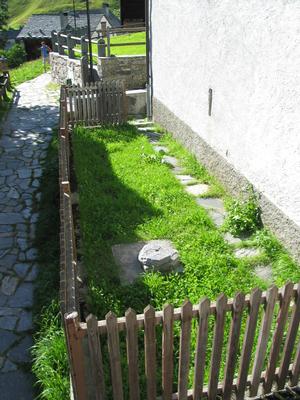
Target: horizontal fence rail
x,y
253,340
71,45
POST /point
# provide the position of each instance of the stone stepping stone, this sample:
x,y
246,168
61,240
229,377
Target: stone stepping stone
x,y
247,252
146,129
231,239
159,149
185,179
211,203
198,189
264,272
171,161
218,217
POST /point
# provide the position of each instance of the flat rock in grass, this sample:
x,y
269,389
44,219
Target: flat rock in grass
x,y
247,252
126,257
217,217
185,179
171,161
231,239
211,203
159,255
198,189
146,128
159,149
264,272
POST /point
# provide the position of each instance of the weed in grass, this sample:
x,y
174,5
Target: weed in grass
x,y
243,215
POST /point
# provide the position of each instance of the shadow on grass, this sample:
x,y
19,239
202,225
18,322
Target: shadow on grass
x,y
110,212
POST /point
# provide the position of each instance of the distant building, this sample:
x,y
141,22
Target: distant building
x,y
39,26
132,11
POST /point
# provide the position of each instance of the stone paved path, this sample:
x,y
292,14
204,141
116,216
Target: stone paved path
x,y
23,144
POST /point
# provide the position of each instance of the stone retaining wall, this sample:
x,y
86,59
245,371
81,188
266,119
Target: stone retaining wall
x,y
63,68
131,69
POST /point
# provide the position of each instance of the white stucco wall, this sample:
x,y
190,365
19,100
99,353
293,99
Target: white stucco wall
x,y
248,52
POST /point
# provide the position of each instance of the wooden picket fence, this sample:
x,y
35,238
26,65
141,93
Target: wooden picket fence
x,y
256,322
98,103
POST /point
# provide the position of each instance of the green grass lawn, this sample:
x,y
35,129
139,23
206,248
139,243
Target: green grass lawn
x,y
27,71
127,195
130,50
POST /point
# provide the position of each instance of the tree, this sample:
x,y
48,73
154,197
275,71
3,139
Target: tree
x,y
3,13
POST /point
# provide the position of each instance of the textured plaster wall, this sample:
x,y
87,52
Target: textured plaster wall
x,y
248,52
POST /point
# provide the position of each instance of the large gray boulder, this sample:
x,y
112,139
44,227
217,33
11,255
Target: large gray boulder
x,y
159,255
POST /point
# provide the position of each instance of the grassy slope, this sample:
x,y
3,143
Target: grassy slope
x,y
21,10
27,71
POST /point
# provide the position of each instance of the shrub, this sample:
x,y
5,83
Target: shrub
x,y
16,55
243,216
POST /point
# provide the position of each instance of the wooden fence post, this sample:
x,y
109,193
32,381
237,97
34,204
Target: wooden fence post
x,y
70,44
76,356
84,70
84,46
60,44
54,41
108,42
101,47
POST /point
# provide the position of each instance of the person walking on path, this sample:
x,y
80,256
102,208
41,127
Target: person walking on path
x,y
45,50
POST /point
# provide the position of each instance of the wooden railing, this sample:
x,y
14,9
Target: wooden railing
x,y
73,46
270,354
98,103
69,299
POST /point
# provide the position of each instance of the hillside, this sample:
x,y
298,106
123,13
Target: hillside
x,y
21,10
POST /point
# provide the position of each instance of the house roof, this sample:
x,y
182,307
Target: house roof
x,y
41,25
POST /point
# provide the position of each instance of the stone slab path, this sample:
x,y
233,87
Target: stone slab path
x,y
214,206
24,140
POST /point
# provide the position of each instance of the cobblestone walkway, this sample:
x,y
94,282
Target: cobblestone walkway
x,y
23,144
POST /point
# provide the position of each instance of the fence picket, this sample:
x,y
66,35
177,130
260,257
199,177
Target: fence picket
x,y
132,354
296,368
167,352
290,341
150,352
255,301
262,343
217,347
184,350
76,355
233,344
204,309
96,356
278,335
114,355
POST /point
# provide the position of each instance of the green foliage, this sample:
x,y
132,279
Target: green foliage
x,y
3,13
243,216
16,55
25,72
50,361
